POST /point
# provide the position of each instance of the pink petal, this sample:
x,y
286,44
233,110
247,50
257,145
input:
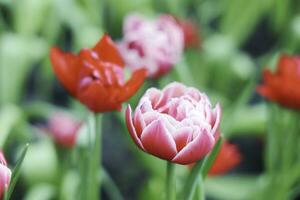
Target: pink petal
x,y
182,137
196,149
131,128
172,90
217,119
158,141
154,95
139,122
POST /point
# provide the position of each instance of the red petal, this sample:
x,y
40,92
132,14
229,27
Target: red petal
x,y
287,66
108,51
66,67
96,97
228,158
134,83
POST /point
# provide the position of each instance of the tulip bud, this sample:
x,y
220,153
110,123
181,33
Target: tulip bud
x,y
5,174
63,128
177,124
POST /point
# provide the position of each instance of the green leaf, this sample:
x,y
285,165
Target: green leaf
x,y
16,173
231,187
208,161
200,169
10,115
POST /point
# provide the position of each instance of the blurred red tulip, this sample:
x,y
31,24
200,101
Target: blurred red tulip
x,y
95,76
190,32
283,86
228,158
63,128
177,124
5,174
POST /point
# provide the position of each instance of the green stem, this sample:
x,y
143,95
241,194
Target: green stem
x,y
95,159
192,181
199,172
110,187
170,182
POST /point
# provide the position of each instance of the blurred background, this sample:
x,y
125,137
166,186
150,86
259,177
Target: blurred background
x,y
237,39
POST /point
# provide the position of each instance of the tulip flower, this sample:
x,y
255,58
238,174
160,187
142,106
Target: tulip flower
x,y
152,44
63,128
227,159
283,85
96,76
177,124
5,174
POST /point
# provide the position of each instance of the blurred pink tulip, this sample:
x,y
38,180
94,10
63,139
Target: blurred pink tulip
x,y
5,174
152,44
177,124
63,128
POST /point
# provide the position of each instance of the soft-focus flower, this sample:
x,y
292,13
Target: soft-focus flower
x,y
95,76
152,44
283,86
63,128
5,174
227,159
190,33
177,124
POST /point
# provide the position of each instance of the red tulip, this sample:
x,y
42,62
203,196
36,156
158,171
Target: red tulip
x,y
5,174
228,158
283,86
190,33
64,129
95,76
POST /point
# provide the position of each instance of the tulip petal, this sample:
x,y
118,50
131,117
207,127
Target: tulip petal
x,y
133,84
108,51
96,97
217,119
182,137
132,129
174,89
139,122
158,141
66,67
196,149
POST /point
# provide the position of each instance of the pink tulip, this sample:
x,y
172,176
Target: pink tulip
x,y
5,174
152,44
63,128
176,124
